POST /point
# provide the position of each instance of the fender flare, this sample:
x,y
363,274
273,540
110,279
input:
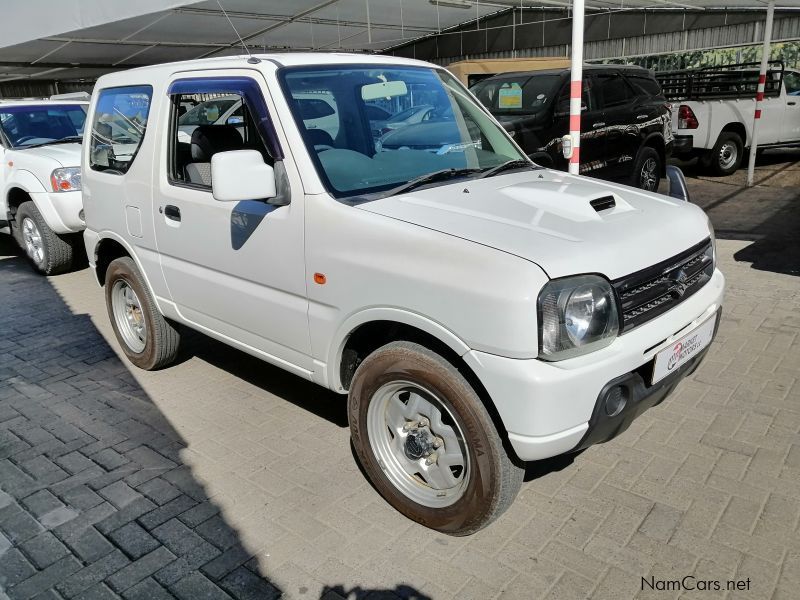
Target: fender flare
x,y
110,235
380,313
24,180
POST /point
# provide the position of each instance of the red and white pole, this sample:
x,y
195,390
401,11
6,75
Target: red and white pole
x,y
762,80
576,79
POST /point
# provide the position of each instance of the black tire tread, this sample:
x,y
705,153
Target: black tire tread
x,y
511,472
164,336
644,153
713,162
59,250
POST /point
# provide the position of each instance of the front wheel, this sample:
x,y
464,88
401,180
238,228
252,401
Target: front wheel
x,y
647,170
147,338
427,441
48,252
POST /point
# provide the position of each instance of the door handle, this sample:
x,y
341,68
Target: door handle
x,y
601,124
792,103
172,212
641,116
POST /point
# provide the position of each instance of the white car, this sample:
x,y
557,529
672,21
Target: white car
x,y
712,113
478,311
40,179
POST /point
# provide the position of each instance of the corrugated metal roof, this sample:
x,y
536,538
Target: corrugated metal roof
x,y
100,42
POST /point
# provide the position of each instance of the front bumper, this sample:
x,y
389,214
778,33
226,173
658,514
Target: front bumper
x,y
632,389
547,407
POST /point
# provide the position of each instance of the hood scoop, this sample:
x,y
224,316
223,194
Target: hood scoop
x,y
603,203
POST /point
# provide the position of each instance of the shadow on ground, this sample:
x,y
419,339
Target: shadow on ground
x,y
768,215
95,500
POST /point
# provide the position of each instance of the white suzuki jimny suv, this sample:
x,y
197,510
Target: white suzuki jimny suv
x,y
40,179
479,311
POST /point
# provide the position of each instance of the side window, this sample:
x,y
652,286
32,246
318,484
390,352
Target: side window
x,y
217,122
120,121
644,86
587,97
792,82
613,90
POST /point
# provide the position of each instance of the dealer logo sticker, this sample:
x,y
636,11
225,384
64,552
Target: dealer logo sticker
x,y
676,356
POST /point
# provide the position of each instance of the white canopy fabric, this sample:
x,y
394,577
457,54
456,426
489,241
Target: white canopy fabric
x,y
60,39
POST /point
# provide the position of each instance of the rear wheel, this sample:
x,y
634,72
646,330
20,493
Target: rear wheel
x,y
427,441
147,338
647,169
48,252
726,157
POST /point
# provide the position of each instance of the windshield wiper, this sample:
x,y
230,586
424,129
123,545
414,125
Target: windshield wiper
x,y
517,163
65,140
428,178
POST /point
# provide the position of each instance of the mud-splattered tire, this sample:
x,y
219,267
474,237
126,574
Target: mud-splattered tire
x,y
427,442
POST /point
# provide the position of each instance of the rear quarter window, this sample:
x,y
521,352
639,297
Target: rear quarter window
x,y
118,127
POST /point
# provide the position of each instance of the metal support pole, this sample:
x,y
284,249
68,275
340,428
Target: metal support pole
x,y
576,86
762,79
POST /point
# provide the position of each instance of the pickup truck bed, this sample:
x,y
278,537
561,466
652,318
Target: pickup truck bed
x,y
713,110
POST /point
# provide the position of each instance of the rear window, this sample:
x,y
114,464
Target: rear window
x,y
120,121
644,86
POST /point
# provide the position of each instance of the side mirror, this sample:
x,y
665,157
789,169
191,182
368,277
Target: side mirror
x,y
239,175
677,184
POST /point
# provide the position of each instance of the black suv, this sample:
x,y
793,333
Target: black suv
x,y
626,132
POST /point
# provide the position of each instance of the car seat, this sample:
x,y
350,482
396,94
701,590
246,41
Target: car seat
x,y
207,140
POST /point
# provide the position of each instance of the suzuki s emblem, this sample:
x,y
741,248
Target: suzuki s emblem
x,y
678,286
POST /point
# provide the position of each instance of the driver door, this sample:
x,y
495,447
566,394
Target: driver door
x,y
233,269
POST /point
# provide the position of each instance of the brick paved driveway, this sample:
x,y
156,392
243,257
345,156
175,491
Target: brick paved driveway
x,y
223,476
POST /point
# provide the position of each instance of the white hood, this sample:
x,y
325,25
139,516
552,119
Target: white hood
x,y
546,217
67,155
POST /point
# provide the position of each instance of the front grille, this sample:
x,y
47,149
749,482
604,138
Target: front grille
x,y
648,293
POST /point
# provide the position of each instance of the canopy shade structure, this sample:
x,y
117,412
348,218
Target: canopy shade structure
x,y
85,38
81,39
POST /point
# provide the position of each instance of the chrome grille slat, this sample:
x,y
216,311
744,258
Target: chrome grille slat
x,y
651,292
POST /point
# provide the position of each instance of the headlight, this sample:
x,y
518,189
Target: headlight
x,y
576,315
67,179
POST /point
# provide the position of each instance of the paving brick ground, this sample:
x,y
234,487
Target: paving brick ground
x,y
224,477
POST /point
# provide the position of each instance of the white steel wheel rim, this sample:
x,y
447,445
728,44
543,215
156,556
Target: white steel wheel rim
x,y
648,174
418,443
32,237
728,154
129,316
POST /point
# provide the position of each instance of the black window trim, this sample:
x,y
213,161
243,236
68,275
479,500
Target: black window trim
x,y
173,131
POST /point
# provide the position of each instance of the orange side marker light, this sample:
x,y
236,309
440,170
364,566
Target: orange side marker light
x,y
320,278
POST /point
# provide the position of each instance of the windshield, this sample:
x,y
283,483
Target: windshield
x,y
354,158
29,125
207,113
518,95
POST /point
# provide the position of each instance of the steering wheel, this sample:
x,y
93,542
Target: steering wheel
x,y
322,147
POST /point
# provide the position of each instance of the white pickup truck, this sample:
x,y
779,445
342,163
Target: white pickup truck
x,y
477,310
40,179
713,109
